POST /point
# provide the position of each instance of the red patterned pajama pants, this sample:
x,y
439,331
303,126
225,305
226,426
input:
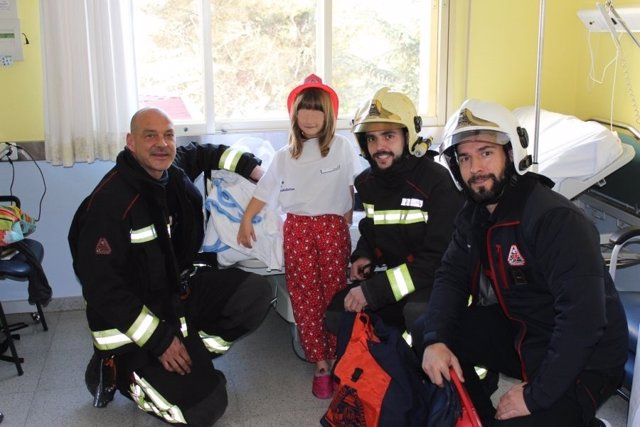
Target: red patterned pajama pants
x,y
316,255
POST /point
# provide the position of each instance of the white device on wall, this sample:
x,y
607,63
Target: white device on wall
x,y
10,35
606,18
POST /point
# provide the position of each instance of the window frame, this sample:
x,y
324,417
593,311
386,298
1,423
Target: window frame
x,y
324,60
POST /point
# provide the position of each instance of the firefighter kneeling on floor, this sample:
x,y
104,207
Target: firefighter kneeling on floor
x,y
157,321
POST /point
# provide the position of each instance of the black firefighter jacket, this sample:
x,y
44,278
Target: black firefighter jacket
x,y
124,258
541,255
409,213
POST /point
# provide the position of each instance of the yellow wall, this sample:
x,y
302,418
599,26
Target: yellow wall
x,y
21,88
503,45
594,100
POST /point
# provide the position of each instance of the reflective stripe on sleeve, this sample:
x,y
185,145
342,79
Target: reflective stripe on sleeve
x,y
109,339
139,332
144,234
143,327
214,343
400,281
150,400
229,159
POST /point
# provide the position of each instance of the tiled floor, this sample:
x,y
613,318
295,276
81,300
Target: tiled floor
x,y
268,384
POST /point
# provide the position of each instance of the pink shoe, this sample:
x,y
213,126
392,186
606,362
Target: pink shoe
x,y
322,387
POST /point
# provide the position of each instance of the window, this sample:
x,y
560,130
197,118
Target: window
x,y
228,65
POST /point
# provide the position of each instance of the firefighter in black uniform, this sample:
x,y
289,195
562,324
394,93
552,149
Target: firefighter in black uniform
x,y
409,203
157,321
543,306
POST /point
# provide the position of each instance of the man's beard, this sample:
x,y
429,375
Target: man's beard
x,y
394,162
485,195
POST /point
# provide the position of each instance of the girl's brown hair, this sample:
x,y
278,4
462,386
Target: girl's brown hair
x,y
312,99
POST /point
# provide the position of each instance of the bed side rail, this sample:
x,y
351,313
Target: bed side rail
x,y
633,131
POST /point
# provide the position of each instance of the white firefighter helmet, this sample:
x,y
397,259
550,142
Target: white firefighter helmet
x,y
395,110
476,116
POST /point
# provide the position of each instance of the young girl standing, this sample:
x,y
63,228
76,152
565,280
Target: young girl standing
x,y
312,180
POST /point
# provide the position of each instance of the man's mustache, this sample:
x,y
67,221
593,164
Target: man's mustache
x,y
382,153
479,178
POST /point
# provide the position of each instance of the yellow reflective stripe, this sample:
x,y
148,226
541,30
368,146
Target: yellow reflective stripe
x,y
143,235
143,327
109,339
397,216
112,338
400,281
368,209
214,343
229,159
411,216
149,400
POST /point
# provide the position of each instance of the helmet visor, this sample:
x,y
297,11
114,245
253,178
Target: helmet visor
x,y
475,135
376,126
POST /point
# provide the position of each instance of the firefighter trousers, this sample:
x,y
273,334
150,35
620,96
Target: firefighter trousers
x,y
222,306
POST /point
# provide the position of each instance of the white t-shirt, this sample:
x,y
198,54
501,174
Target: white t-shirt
x,y
311,185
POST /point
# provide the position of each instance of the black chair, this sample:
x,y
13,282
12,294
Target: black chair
x,y
21,261
630,299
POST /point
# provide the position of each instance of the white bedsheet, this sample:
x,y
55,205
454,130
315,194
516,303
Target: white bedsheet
x,y
575,154
569,147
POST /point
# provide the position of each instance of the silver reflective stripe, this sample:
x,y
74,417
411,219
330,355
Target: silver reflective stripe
x,y
149,400
214,343
400,281
143,235
229,159
407,337
183,327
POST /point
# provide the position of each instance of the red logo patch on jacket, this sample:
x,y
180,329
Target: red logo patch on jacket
x,y
515,258
103,247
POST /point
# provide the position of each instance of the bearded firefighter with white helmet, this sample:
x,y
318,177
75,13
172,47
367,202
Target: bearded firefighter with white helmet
x,y
409,202
543,306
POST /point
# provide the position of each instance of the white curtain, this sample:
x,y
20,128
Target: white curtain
x,y
89,78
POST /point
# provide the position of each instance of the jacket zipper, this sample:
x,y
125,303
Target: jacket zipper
x,y
498,290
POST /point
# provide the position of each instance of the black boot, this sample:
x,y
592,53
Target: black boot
x,y
100,378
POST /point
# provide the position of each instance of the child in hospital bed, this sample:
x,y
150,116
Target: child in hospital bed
x,y
312,181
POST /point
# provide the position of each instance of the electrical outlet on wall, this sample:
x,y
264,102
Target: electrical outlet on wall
x,y
8,151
